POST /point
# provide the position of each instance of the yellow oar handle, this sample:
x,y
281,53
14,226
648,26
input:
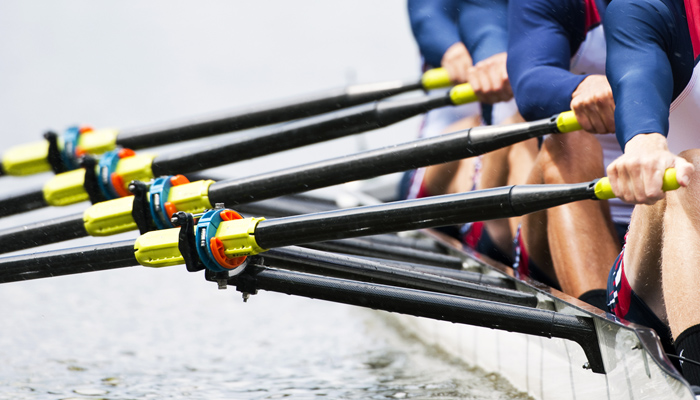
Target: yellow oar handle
x,y
435,79
462,94
603,191
567,122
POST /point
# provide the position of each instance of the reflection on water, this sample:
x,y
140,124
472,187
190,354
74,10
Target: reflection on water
x,y
137,333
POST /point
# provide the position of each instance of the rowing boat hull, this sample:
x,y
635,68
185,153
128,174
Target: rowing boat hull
x,y
552,368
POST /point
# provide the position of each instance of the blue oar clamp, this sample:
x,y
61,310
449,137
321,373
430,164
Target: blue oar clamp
x,y
107,166
210,248
108,179
70,151
70,147
161,209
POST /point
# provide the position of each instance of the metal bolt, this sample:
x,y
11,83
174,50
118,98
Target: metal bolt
x,y
246,296
222,284
586,365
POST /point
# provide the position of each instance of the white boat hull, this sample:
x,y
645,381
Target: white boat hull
x,y
552,368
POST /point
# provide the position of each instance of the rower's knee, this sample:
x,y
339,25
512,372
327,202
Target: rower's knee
x,y
571,157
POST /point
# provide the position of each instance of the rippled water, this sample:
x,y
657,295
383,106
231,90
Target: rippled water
x,y
138,333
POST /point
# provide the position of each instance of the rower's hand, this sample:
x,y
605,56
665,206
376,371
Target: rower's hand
x,y
593,104
489,79
637,175
457,61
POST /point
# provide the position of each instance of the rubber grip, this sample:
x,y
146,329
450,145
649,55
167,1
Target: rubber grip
x,y
567,122
435,78
462,94
603,190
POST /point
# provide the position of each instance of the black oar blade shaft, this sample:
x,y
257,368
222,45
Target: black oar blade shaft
x,y
416,214
433,305
369,164
328,264
42,232
22,202
250,118
297,134
68,261
369,248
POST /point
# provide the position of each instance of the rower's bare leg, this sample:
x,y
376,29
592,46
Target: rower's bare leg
x,y
681,252
533,233
582,239
662,263
455,176
681,268
642,258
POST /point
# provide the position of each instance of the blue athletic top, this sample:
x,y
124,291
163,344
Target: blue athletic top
x,y
650,61
543,37
438,24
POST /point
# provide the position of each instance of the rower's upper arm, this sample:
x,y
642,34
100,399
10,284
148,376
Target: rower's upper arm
x,y
639,36
543,34
434,26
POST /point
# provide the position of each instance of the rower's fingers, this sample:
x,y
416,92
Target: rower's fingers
x,y
652,181
594,115
683,171
501,86
582,116
607,110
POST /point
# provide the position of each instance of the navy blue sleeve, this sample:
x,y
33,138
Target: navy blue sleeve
x,y
484,27
543,36
647,55
435,27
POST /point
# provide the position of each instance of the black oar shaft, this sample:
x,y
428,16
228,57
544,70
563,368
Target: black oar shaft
x,y
297,134
22,202
249,118
374,163
328,264
68,261
432,305
416,214
42,232
370,248
458,274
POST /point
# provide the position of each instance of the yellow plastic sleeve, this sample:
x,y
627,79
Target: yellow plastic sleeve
x,y
98,141
603,190
27,159
159,248
238,237
462,94
66,188
136,168
435,78
567,122
110,217
191,197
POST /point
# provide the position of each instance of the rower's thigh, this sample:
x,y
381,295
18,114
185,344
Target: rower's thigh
x,y
681,251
